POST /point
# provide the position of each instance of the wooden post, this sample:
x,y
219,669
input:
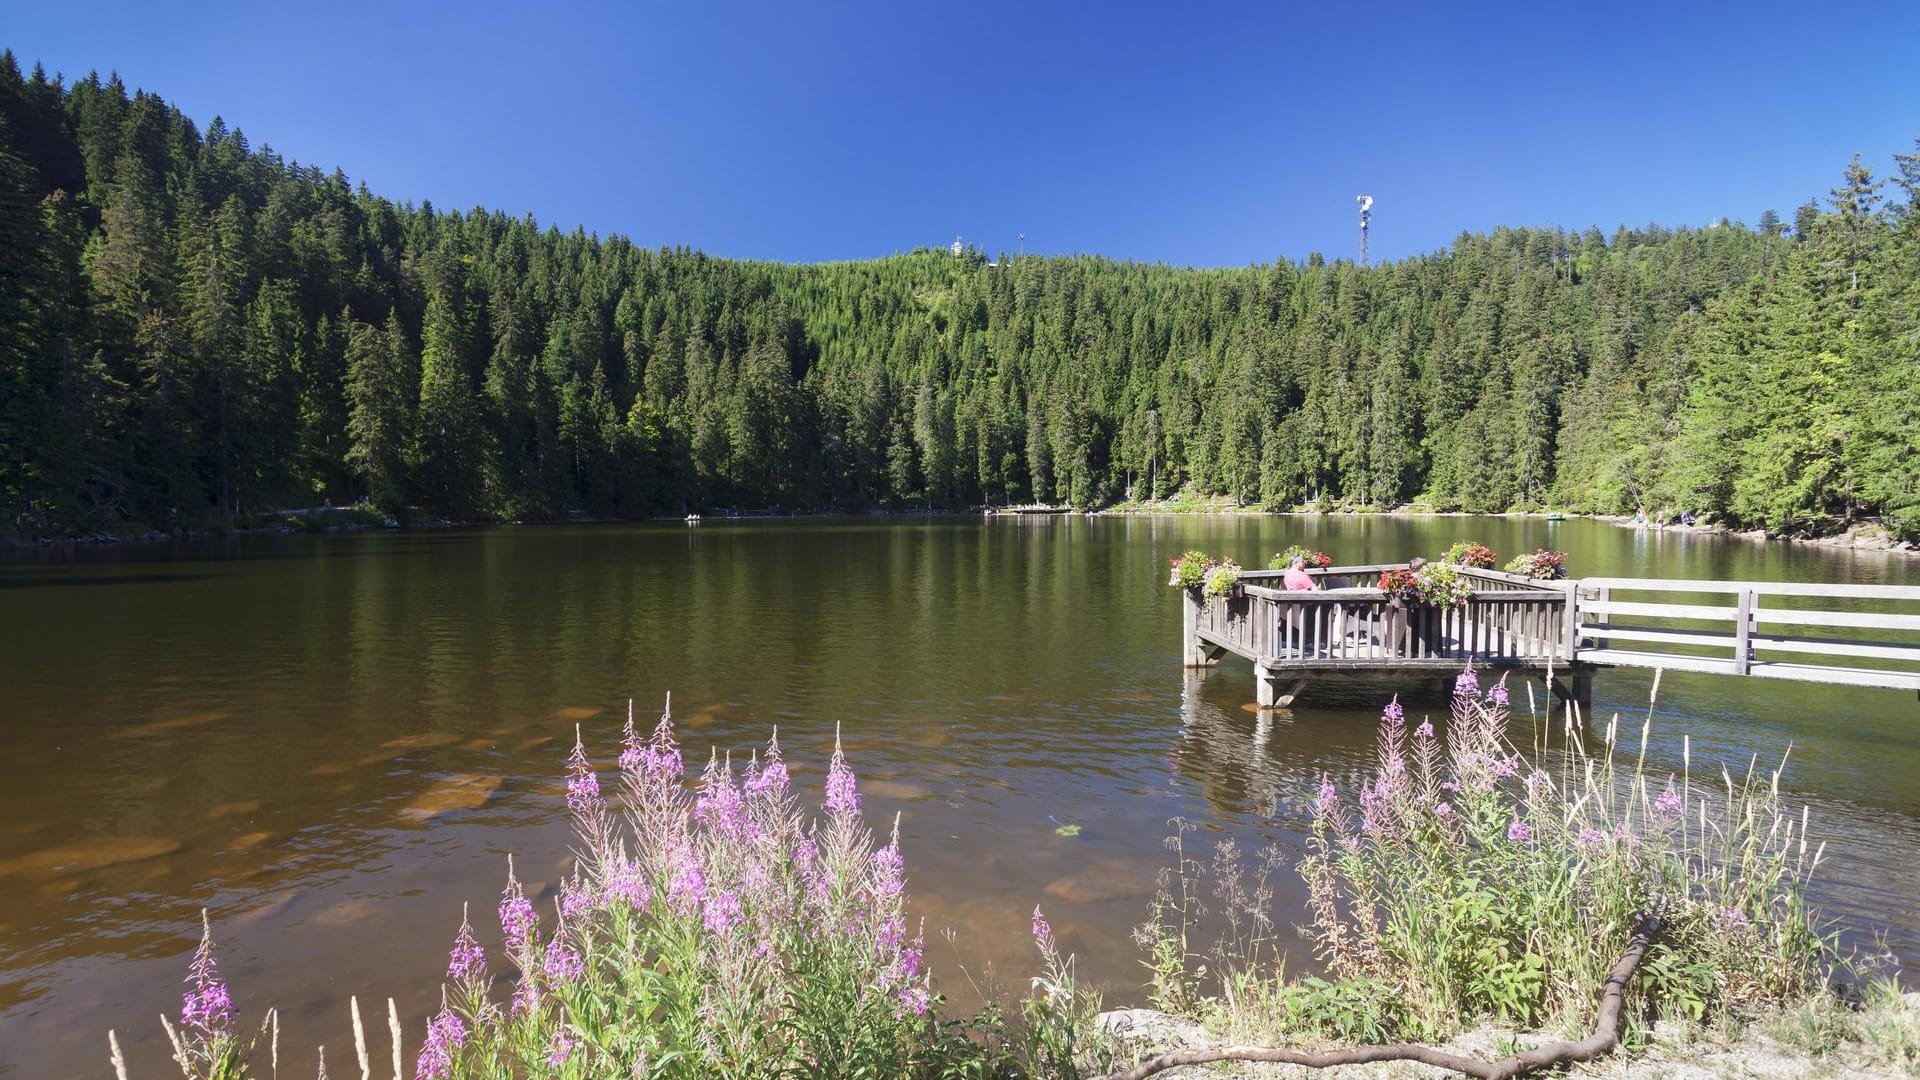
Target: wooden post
x,y
1569,643
1583,691
1192,652
1742,632
1266,686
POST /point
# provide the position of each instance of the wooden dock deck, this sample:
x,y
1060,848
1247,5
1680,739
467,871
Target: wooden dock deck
x,y
1572,628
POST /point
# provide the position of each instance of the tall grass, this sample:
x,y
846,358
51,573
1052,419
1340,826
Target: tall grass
x,y
1466,879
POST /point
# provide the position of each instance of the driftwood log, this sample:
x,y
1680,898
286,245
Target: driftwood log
x,y
1605,1037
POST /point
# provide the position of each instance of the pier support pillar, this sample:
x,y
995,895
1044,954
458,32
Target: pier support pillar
x,y
1267,690
1193,652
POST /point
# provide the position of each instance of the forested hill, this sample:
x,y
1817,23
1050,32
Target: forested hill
x,y
197,331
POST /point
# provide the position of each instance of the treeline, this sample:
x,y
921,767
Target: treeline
x,y
195,330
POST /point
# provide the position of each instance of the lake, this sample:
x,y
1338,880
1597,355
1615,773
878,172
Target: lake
x,y
332,742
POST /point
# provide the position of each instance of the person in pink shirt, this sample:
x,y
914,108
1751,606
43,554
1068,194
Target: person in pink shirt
x,y
1296,579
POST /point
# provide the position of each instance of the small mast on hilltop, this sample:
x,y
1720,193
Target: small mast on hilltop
x,y
1366,218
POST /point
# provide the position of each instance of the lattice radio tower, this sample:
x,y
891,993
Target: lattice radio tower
x,y
1366,218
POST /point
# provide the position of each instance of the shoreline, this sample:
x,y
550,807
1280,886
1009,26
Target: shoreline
x,y
1868,535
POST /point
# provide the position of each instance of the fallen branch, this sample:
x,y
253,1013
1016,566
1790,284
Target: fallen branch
x,y
1605,1037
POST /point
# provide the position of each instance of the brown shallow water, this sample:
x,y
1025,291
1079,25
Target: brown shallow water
x,y
333,742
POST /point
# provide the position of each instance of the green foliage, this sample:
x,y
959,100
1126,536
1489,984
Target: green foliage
x,y
1472,880
1311,557
1470,553
1542,565
1438,584
1190,569
1222,579
194,329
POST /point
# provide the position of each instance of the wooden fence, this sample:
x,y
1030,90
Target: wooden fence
x,y
1858,635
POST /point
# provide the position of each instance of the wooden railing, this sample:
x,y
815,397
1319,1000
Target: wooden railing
x,y
1858,635
1508,620
1807,631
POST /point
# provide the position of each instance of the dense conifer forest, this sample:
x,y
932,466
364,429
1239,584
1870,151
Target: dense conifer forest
x,y
195,332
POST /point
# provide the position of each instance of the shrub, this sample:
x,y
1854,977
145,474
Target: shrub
x,y
1317,559
1438,584
1470,553
1402,584
1190,569
1543,564
1221,579
1465,879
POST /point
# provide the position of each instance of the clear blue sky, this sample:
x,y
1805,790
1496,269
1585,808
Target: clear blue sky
x,y
1183,133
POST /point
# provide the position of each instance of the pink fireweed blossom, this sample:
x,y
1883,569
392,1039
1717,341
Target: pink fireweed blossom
x,y
446,1035
562,964
206,1008
915,999
772,777
583,784
1467,685
625,883
659,761
575,899
1394,713
843,795
889,867
1443,811
1043,934
560,1050
1518,832
913,994
892,933
720,804
1591,836
722,912
687,887
467,962
1328,796
1497,693
1670,804
1425,730
518,922
630,744
526,998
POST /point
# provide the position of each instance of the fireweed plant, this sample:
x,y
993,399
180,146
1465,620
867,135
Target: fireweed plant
x,y
711,931
1467,880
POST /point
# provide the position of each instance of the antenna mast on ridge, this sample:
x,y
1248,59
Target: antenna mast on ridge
x,y
1366,217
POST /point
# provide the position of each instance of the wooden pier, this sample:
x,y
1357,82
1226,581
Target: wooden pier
x,y
1571,628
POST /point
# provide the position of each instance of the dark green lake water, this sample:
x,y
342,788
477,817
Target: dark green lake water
x,y
332,742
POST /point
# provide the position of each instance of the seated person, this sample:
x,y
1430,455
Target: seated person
x,y
1296,579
